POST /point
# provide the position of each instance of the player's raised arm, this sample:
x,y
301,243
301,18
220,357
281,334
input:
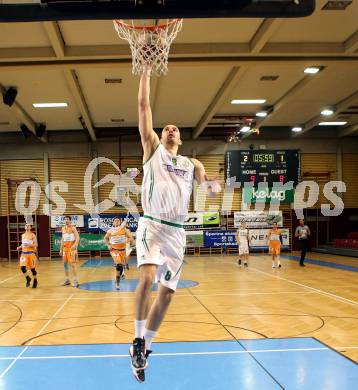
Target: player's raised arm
x,y
212,186
148,136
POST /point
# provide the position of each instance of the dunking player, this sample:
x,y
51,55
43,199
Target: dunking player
x,y
166,189
68,250
275,242
116,239
28,255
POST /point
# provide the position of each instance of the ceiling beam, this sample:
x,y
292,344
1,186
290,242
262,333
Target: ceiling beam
x,y
263,34
76,91
342,105
54,34
24,117
347,131
351,44
257,46
232,79
289,96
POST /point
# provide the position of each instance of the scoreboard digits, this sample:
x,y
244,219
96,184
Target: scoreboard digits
x,y
269,166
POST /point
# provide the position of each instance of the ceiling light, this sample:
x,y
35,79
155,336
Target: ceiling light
x,y
332,123
248,101
245,129
312,70
49,105
327,111
261,114
296,129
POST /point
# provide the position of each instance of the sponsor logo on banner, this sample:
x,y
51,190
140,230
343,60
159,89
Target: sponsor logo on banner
x,y
194,239
103,222
202,220
268,194
258,219
88,242
259,237
59,220
220,239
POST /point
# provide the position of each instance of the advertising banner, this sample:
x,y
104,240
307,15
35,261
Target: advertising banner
x,y
202,220
258,219
194,239
259,238
59,220
103,222
219,238
88,242
267,195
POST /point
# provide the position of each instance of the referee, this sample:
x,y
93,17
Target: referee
x,y
302,232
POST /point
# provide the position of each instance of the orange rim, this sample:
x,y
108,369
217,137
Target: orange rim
x,y
149,28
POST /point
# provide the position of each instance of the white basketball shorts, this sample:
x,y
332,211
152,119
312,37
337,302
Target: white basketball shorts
x,y
163,245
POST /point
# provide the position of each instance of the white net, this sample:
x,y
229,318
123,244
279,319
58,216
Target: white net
x,y
149,45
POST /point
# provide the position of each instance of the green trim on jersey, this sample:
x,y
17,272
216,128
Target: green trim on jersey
x,y
150,157
178,225
151,184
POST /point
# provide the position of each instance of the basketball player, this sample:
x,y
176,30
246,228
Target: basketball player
x,y
28,255
116,240
129,246
243,239
166,189
274,242
303,232
68,251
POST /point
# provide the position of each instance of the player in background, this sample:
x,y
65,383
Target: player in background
x,y
116,240
274,241
28,255
68,251
243,240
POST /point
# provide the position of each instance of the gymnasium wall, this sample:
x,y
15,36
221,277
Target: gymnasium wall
x,y
321,160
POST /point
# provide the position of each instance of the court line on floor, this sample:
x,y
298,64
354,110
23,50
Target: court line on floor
x,y
178,295
238,352
7,369
322,292
11,277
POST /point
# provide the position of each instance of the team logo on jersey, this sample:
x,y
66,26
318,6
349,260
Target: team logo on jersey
x,y
174,161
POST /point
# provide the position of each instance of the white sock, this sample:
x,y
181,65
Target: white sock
x,y
139,326
148,337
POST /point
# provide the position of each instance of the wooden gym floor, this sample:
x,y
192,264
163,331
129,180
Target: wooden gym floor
x,y
229,302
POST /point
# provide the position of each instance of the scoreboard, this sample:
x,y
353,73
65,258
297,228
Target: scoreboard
x,y
271,166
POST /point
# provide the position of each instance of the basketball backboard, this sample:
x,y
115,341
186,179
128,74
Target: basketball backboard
x,y
44,10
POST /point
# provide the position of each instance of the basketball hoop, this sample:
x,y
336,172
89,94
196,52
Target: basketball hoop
x,y
149,44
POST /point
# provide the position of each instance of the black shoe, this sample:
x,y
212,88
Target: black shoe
x,y
279,266
239,262
34,284
28,281
139,358
302,265
127,266
245,264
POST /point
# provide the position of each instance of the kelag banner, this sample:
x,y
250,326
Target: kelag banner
x,y
266,195
88,242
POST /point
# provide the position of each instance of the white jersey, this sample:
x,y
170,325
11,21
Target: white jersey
x,y
167,186
243,234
